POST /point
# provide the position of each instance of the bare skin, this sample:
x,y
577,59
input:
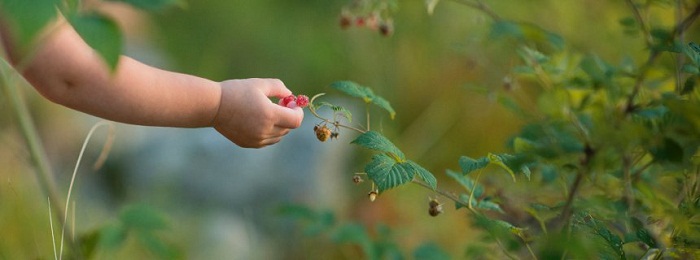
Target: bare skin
x,y
65,70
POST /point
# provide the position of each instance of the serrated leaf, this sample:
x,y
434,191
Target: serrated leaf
x,y
26,19
594,226
467,183
150,5
424,174
102,34
366,94
387,173
469,165
375,141
336,109
381,102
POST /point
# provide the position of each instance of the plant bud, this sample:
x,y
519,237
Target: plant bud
x,y
372,196
357,179
434,207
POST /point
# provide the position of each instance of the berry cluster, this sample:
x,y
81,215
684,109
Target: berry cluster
x,y
372,21
292,101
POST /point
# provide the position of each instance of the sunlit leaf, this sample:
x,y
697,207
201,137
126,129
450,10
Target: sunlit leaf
x,y
102,34
498,160
376,141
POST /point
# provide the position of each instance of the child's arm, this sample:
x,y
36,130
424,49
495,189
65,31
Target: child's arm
x,y
67,71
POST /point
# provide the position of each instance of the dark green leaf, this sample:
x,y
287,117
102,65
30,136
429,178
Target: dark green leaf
x,y
26,19
668,151
424,174
628,22
112,236
376,141
614,243
150,5
387,173
469,165
102,34
430,251
142,218
688,86
642,233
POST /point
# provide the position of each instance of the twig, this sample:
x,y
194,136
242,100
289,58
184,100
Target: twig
x,y
444,193
335,123
640,21
477,4
678,30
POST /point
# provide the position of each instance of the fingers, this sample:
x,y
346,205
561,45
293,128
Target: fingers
x,y
274,88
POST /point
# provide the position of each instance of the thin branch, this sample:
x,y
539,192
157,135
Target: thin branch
x,y
642,25
477,4
654,55
335,123
444,193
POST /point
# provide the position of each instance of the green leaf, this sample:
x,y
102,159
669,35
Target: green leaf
x,y
467,183
102,34
387,173
157,246
526,32
151,5
469,165
614,243
498,160
356,234
689,68
424,174
336,109
112,236
26,19
375,141
381,102
142,218
689,86
430,250
489,205
366,94
667,151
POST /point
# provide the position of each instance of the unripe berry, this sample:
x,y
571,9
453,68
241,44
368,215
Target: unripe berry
x,y
372,195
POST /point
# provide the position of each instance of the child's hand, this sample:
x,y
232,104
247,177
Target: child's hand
x,y
248,118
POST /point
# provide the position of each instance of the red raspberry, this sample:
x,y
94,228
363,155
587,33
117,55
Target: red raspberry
x,y
283,102
302,100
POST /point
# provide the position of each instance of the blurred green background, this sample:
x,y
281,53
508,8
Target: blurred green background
x,y
427,69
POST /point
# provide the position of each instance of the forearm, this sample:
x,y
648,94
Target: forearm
x,y
67,71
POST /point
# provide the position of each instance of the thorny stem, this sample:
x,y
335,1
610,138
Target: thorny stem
x,y
654,55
